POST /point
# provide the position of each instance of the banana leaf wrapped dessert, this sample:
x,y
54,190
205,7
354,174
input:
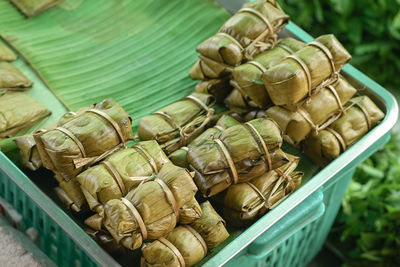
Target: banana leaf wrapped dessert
x,y
12,78
247,76
29,155
241,153
33,7
187,245
68,190
79,140
244,202
70,193
299,75
219,88
6,54
28,152
19,112
250,31
179,157
238,102
313,115
207,69
178,124
120,172
361,116
85,138
106,241
152,209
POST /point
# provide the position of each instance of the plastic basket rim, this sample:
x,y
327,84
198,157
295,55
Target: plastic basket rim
x,y
77,234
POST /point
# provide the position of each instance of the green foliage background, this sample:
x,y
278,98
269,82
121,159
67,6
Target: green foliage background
x,y
369,29
367,229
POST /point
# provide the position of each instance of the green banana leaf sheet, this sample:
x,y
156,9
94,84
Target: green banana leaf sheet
x,y
138,52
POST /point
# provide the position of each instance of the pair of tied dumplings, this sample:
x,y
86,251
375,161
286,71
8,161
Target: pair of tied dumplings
x,y
18,111
10,76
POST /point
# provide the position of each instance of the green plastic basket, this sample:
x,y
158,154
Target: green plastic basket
x,y
289,235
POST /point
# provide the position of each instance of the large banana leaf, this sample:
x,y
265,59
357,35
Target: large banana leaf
x,y
138,52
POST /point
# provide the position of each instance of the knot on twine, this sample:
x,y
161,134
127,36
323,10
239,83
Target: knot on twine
x,y
192,128
266,39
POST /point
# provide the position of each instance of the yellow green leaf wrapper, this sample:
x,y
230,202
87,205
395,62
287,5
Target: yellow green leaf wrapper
x,y
6,54
29,154
176,125
244,202
187,245
361,116
18,113
83,138
247,77
106,241
239,103
152,209
208,69
297,75
210,226
179,157
255,23
70,193
219,88
79,140
30,158
120,172
240,153
315,114
11,77
33,7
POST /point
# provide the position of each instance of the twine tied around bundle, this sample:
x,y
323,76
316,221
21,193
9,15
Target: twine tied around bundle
x,y
246,98
267,200
198,237
327,82
169,196
135,213
260,143
85,161
191,129
115,175
231,163
340,139
364,111
174,250
257,65
330,120
338,136
289,186
142,179
137,217
150,160
266,39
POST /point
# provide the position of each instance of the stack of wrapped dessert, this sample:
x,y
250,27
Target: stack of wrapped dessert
x,y
143,192
298,85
